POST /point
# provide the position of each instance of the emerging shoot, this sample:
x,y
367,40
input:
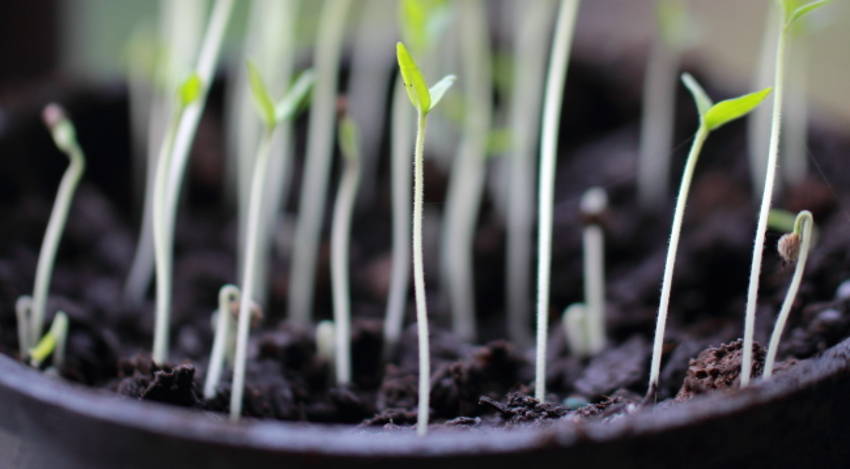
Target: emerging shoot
x,y
790,12
594,202
793,247
340,240
228,306
65,137
711,117
272,114
325,337
52,343
424,100
556,76
574,321
23,314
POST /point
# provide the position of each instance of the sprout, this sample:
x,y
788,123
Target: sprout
x,y
340,240
424,100
52,343
793,247
65,137
574,321
171,165
711,116
466,185
325,336
23,312
556,76
228,305
790,13
311,206
593,203
272,114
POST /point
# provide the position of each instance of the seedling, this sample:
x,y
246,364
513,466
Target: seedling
x,y
65,137
325,337
790,12
711,117
272,114
23,313
574,321
424,100
594,202
228,301
793,247
320,140
556,76
52,343
340,240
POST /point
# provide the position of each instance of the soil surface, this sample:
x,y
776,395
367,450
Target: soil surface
x,y
472,385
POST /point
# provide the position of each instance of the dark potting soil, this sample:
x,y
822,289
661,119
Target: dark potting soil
x,y
472,385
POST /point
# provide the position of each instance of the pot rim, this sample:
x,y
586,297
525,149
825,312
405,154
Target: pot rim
x,y
347,440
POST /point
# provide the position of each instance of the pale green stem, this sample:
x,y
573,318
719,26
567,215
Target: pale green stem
x,y
466,184
340,240
251,253
555,80
795,123
50,243
593,203
320,140
764,211
526,101
23,312
672,249
793,288
758,123
419,277
227,296
402,126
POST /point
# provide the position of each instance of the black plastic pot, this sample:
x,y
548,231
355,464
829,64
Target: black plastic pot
x,y
799,419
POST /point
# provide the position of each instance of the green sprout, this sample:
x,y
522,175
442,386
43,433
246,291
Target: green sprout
x,y
228,300
320,140
556,77
52,343
272,115
594,202
793,247
423,99
530,36
349,143
23,314
711,117
789,14
65,137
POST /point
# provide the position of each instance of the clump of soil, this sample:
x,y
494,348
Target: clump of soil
x,y
718,368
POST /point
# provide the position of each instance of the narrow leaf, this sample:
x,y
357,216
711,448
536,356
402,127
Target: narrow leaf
x,y
293,101
731,109
190,90
439,89
701,99
260,93
803,11
349,138
414,83
781,220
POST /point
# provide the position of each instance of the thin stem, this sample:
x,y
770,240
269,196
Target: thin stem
x,y
767,197
672,249
793,288
419,277
227,295
248,279
593,204
401,138
548,151
23,312
50,243
796,119
340,239
318,161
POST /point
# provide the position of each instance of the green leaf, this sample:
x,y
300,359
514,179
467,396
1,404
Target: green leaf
x,y
794,10
48,342
414,83
422,20
349,138
728,110
439,89
264,103
781,220
190,90
671,19
701,99
293,102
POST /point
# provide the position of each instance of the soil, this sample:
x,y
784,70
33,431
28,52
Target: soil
x,y
472,385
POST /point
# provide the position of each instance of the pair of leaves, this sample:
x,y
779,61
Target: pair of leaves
x,y
714,116
796,9
271,113
423,98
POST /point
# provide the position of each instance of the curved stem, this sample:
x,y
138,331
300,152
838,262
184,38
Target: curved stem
x,y
548,151
419,277
670,261
223,325
766,199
